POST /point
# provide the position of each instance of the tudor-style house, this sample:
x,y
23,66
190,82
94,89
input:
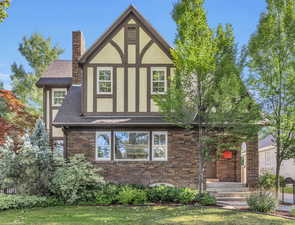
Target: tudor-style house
x,y
100,104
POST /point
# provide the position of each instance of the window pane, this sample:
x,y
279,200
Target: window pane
x,y
59,93
105,87
158,75
58,146
104,75
103,144
58,101
131,145
159,139
158,86
159,152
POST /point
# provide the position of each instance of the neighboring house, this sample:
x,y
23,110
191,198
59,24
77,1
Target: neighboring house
x,y
109,115
267,159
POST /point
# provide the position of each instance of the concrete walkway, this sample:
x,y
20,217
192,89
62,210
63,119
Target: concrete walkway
x,y
288,198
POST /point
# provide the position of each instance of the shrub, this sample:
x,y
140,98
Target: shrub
x,y
262,202
21,202
30,169
108,194
205,199
130,195
186,195
268,181
292,212
75,179
163,193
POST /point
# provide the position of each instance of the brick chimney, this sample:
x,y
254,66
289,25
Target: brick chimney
x,y
78,48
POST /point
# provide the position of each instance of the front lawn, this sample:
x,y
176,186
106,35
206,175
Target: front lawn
x,y
120,215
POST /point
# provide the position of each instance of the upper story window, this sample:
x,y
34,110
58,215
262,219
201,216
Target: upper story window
x,y
58,96
104,81
159,81
160,145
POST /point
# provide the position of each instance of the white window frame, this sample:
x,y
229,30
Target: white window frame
x,y
111,81
166,145
114,146
55,90
165,80
109,133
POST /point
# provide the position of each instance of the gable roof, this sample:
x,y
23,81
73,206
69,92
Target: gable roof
x,y
268,141
130,11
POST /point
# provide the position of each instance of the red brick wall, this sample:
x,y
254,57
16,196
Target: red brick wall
x,y
180,169
78,49
229,170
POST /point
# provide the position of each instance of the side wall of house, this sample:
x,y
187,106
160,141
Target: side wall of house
x,y
49,112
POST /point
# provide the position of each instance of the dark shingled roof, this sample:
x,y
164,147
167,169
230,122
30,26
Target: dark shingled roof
x,y
266,142
54,82
59,68
58,74
70,115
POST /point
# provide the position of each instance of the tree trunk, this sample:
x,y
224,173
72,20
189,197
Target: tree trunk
x,y
278,167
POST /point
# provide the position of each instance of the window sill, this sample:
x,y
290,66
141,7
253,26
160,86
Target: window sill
x,y
109,95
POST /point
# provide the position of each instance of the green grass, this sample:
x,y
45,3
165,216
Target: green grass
x,y
288,190
120,215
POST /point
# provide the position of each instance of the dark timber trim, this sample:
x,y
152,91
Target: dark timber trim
x,y
116,46
145,48
148,89
84,89
114,89
125,70
95,89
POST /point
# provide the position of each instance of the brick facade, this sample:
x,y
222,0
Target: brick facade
x,y
78,49
180,169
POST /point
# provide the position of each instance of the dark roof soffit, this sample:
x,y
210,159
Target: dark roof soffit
x,y
127,12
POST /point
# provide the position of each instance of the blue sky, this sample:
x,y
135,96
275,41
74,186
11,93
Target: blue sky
x,y
58,18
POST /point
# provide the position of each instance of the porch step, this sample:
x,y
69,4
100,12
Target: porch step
x,y
232,189
231,194
225,185
231,199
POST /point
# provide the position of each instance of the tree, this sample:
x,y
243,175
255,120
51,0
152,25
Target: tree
x,y
30,169
39,53
271,52
14,117
1,85
199,97
4,4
